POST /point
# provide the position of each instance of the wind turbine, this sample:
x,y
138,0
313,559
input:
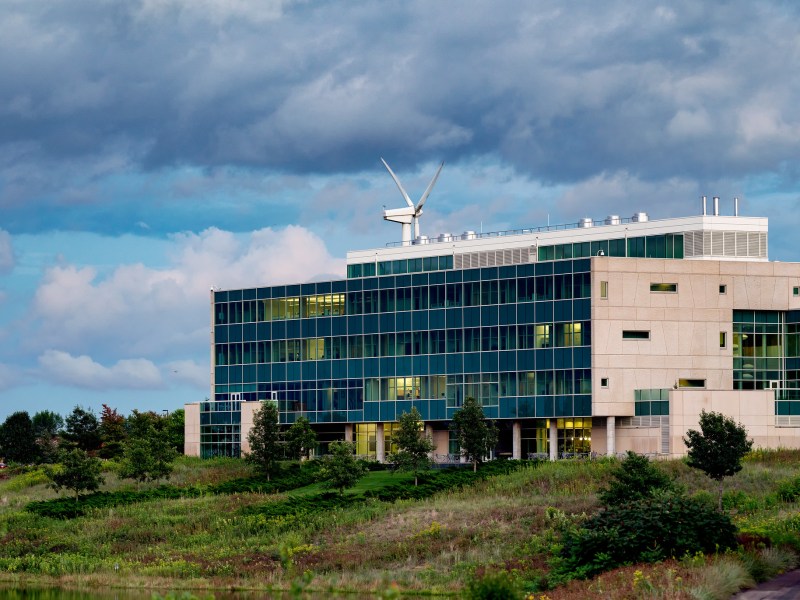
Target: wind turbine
x,y
410,214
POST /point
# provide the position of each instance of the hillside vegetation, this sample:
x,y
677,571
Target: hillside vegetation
x,y
504,527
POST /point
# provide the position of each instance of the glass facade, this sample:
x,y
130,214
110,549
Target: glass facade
x,y
766,355
365,350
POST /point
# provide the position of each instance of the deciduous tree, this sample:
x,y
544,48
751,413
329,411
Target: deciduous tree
x,y
77,471
147,455
477,435
340,469
265,439
82,429
300,439
718,448
413,447
17,439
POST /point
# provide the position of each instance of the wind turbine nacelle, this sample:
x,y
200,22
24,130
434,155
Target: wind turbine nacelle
x,y
399,215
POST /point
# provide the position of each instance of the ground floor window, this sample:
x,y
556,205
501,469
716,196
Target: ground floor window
x,y
574,436
366,439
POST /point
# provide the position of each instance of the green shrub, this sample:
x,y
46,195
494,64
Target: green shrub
x,y
636,478
768,563
721,580
789,491
645,531
494,585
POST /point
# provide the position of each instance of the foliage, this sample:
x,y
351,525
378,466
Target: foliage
x,y
78,472
340,469
477,436
645,531
147,455
82,429
635,479
766,563
413,447
789,491
718,448
47,426
174,425
494,585
264,439
112,432
300,439
17,439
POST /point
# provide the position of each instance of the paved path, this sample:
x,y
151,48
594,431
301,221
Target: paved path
x,y
785,587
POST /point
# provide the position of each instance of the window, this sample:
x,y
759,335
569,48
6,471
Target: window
x,y
796,291
633,334
723,289
691,383
604,382
664,287
604,289
723,339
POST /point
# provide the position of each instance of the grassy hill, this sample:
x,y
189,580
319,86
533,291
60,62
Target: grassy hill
x,y
507,523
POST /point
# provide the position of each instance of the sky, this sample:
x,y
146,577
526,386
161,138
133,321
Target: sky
x,y
152,149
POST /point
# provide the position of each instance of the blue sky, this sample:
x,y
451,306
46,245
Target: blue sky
x,y
151,149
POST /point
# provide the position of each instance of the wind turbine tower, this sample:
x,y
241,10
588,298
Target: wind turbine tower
x,y
410,214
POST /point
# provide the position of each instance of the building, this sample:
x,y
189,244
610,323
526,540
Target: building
x,y
602,336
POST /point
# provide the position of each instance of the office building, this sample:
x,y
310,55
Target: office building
x,y
602,336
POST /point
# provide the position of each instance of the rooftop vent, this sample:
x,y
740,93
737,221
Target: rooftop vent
x,y
640,217
423,239
613,220
586,222
468,235
445,237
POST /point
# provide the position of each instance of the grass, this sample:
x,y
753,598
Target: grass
x,y
436,546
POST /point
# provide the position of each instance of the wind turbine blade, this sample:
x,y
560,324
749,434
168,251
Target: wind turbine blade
x,y
399,186
430,187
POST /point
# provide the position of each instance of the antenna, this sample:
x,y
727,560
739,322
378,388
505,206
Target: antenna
x,y
410,214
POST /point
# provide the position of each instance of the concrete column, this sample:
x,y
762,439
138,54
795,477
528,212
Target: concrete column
x,y
516,440
348,432
380,447
553,440
611,436
428,433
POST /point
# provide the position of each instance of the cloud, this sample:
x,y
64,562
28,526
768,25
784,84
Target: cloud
x,y
162,313
83,372
6,253
190,372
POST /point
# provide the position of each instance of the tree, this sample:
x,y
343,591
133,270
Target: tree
x,y
77,472
265,439
718,448
83,429
174,424
300,439
148,453
17,439
47,426
413,448
340,469
477,435
636,479
112,432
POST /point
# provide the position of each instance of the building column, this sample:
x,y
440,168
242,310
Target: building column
x,y
380,448
611,436
348,432
553,440
428,433
516,440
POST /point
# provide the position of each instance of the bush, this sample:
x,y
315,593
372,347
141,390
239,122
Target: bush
x,y
495,585
645,531
789,491
636,478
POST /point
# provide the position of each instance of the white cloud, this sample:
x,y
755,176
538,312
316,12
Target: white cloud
x,y
163,314
83,372
189,371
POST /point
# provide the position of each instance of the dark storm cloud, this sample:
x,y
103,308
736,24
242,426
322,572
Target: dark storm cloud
x,y
561,92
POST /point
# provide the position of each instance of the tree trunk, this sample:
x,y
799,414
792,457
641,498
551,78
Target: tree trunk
x,y
415,480
720,496
474,466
